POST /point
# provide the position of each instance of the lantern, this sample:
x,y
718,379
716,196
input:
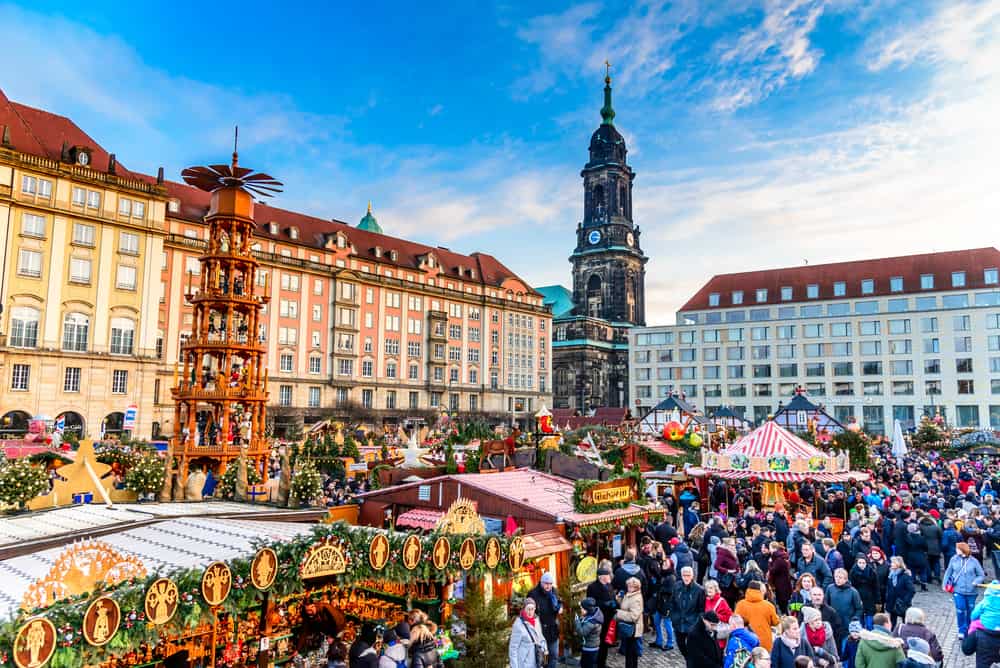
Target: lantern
x,y
673,431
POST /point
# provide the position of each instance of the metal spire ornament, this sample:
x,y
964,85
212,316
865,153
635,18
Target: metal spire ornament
x,y
215,177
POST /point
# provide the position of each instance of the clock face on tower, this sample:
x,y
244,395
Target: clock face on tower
x,y
630,239
594,237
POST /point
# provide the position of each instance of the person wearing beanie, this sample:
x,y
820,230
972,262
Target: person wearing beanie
x,y
588,623
601,593
918,654
961,579
703,649
819,635
548,607
915,626
851,644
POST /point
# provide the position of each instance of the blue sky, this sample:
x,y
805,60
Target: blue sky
x,y
763,133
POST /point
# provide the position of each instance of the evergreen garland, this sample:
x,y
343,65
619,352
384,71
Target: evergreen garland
x,y
227,483
146,474
67,615
581,487
20,482
307,484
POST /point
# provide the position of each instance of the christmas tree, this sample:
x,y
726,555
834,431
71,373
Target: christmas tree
x,y
227,483
146,474
20,482
306,484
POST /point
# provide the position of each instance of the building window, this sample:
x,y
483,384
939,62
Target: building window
x,y
119,381
314,394
871,388
24,327
284,395
843,368
128,243
932,366
812,291
843,389
414,401
896,284
761,295
961,323
966,386
839,289
390,369
870,328
29,263
926,281
816,369
932,345
32,225
713,299
414,372
19,378
71,379
958,279
932,387
79,270
367,368
76,329
315,364
867,286
126,278
122,336
317,312
901,367
83,234
737,296
990,276
287,361
345,367
367,398
963,365
871,368
899,326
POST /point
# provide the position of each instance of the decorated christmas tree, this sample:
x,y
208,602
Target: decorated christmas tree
x,y
20,482
146,475
306,484
487,630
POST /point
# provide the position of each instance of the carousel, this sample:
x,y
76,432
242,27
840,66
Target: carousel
x,y
773,456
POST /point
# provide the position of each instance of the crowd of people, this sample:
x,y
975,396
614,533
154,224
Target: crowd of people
x,y
729,586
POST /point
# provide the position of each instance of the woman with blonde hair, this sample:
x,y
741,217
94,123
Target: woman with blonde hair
x,y
899,590
789,645
630,611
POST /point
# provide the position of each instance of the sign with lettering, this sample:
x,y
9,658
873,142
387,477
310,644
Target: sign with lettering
x,y
621,490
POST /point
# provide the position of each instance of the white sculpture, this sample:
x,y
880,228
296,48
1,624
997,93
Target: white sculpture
x,y
414,452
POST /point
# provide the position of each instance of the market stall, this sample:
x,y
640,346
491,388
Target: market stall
x,y
234,597
771,456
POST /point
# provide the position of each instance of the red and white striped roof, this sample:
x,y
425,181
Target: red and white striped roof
x,y
787,476
771,439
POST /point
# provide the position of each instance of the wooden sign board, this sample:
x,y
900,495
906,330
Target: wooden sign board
x,y
622,490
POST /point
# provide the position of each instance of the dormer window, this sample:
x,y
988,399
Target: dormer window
x,y
378,251
174,206
393,255
737,296
293,233
786,294
713,299
272,228
867,286
958,279
761,295
341,241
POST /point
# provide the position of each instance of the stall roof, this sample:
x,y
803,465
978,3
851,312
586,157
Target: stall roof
x,y
93,517
544,543
540,492
420,518
163,547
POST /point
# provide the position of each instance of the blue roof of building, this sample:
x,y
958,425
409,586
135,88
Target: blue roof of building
x,y
559,298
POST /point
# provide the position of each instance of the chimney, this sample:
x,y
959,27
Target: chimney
x,y
65,151
5,140
112,163
159,177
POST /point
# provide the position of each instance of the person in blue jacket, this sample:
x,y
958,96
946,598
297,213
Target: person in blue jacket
x,y
963,576
741,641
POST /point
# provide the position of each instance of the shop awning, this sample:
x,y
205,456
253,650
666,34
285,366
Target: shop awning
x,y
786,476
544,543
420,518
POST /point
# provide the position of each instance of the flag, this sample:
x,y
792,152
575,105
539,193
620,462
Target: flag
x,y
60,423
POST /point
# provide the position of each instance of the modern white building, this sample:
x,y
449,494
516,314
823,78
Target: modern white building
x,y
874,340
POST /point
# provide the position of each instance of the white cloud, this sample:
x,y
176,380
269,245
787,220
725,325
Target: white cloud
x,y
765,57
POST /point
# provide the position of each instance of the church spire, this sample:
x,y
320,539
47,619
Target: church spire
x,y
607,111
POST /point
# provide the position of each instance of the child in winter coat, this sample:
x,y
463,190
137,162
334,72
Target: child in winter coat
x,y
393,651
588,625
851,644
988,609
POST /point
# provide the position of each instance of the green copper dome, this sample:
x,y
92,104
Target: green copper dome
x,y
368,223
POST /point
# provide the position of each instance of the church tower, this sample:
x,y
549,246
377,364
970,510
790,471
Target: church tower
x,y
608,263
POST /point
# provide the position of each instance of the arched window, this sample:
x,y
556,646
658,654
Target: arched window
x,y
594,297
623,200
23,327
76,330
598,202
122,336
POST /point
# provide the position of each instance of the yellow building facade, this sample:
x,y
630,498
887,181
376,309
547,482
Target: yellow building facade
x,y
80,287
